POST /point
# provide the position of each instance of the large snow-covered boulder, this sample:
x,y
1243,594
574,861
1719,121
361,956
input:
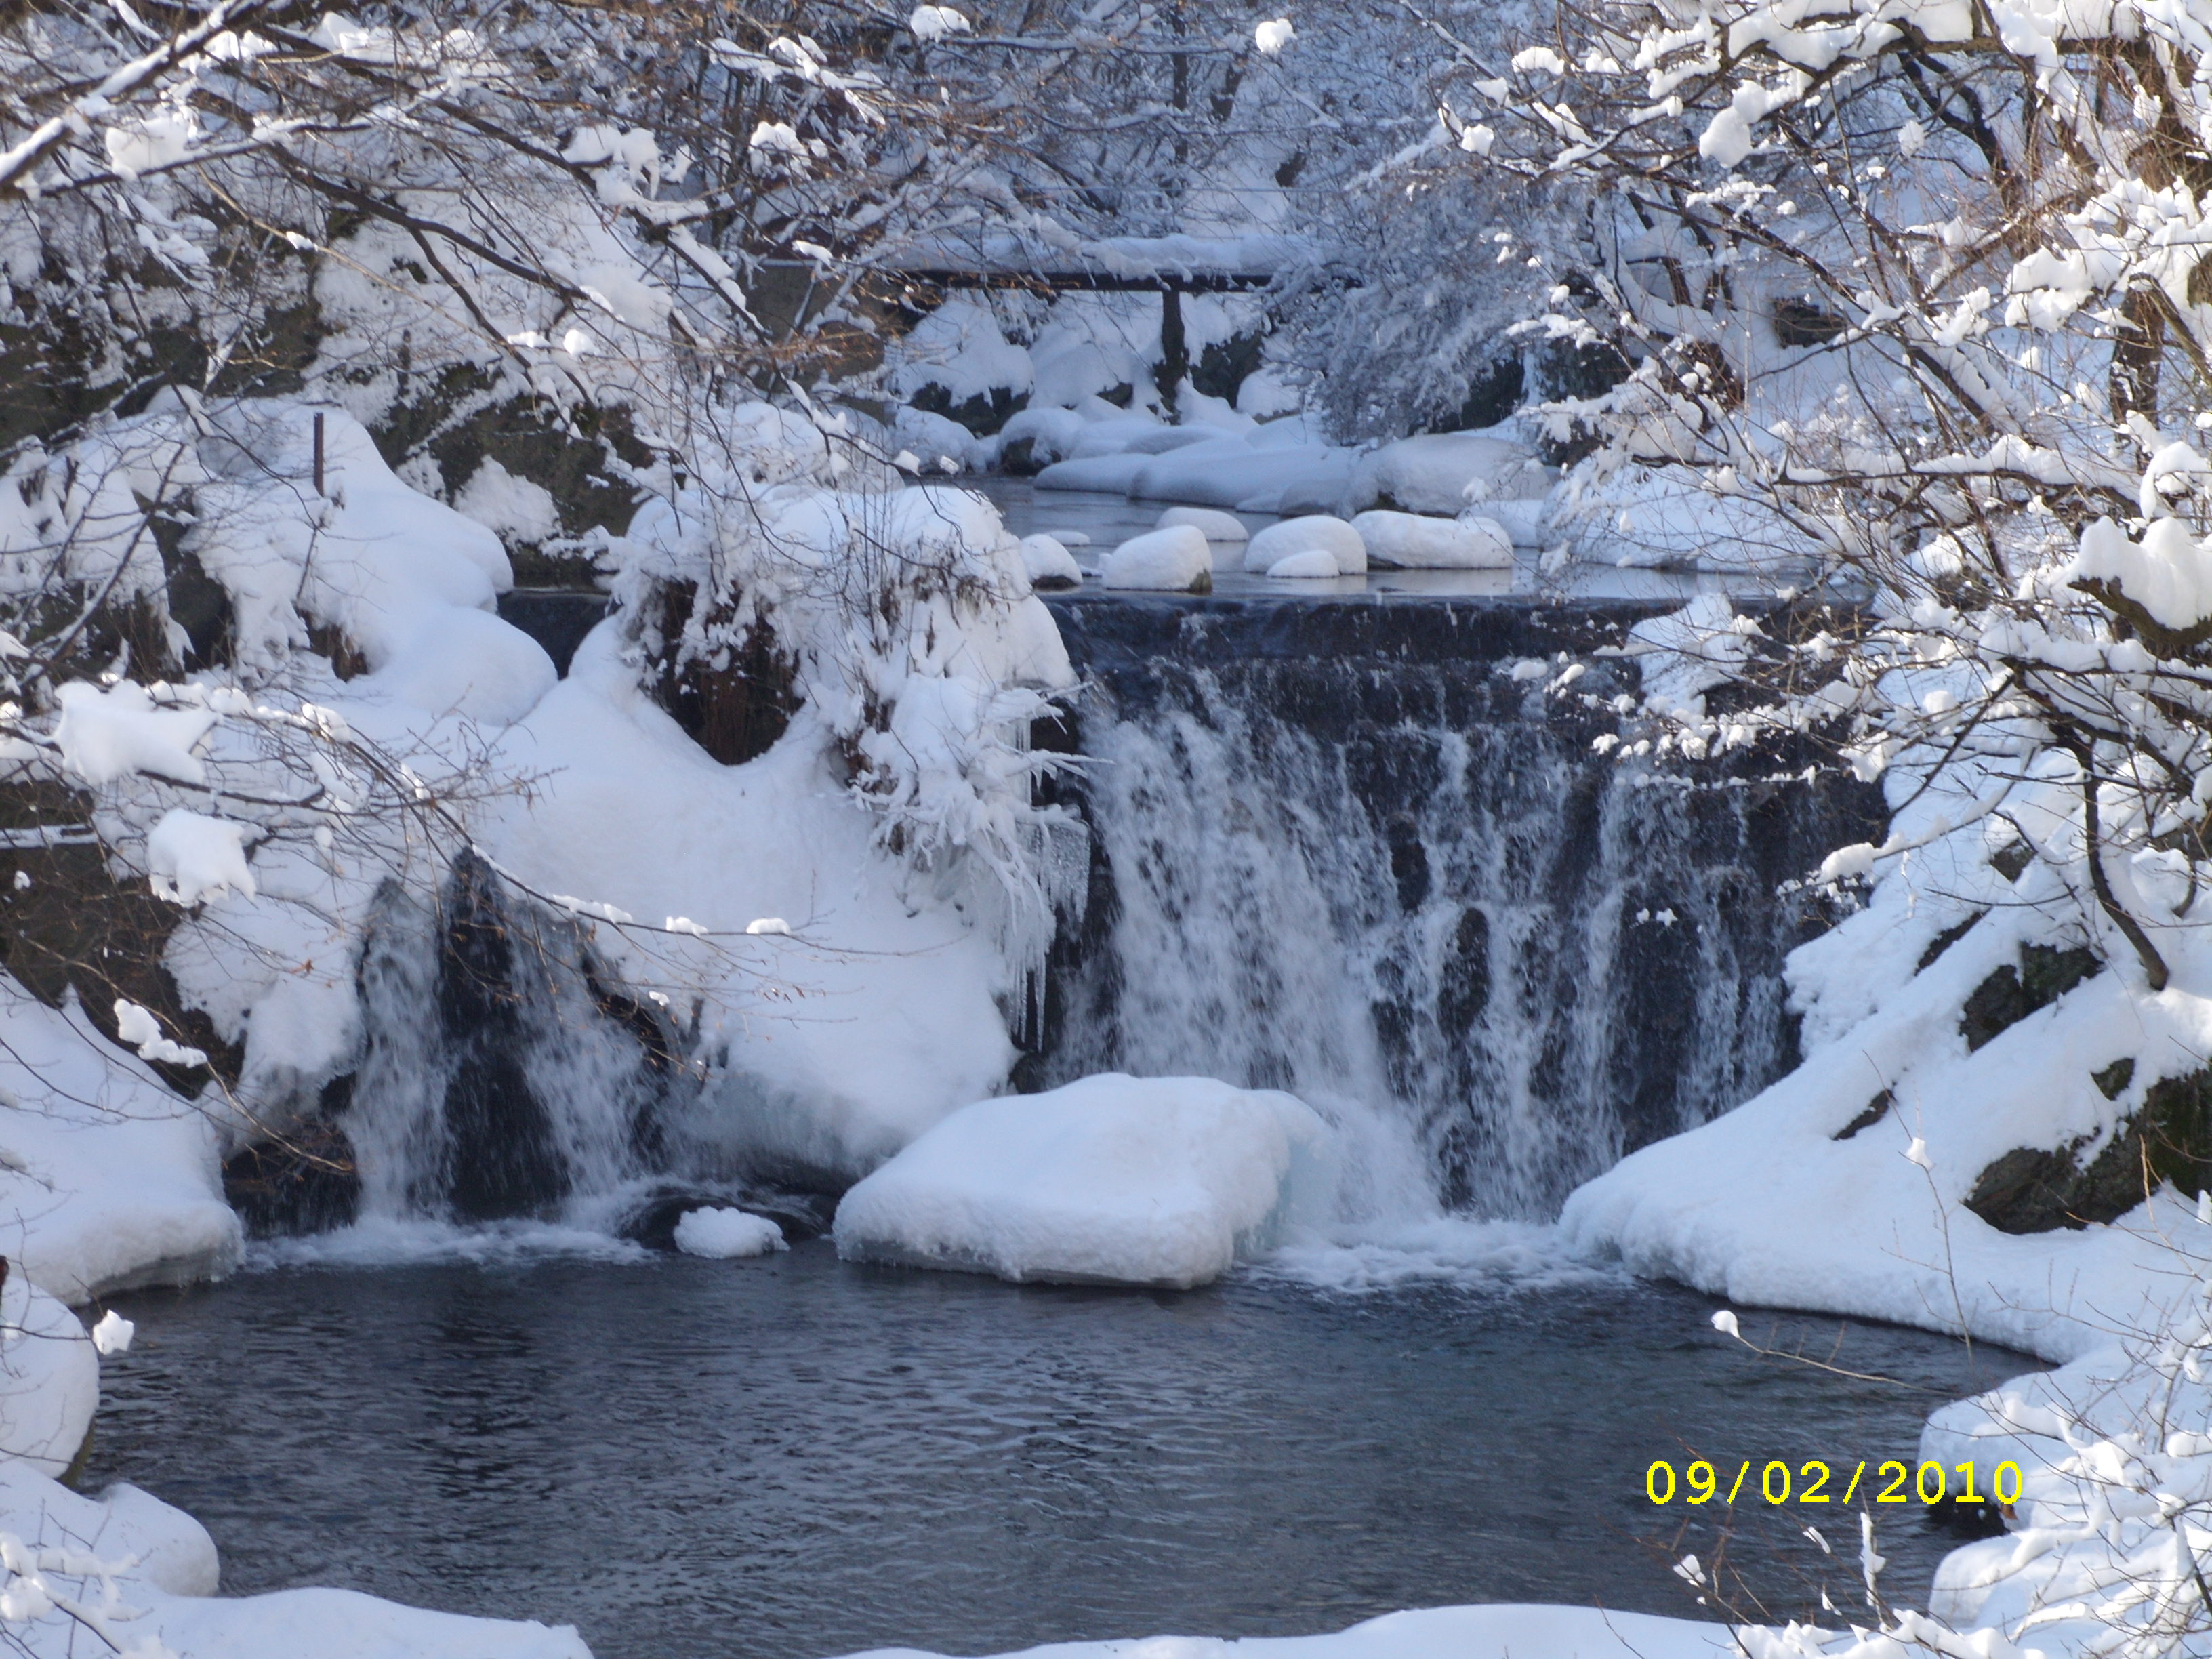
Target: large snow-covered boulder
x,y
1313,564
49,1379
1112,1179
107,1178
1210,522
1331,535
1446,472
1176,560
1412,541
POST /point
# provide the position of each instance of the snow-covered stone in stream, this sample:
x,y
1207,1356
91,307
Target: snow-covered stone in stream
x,y
1447,472
1319,530
49,1378
1112,1179
1314,564
726,1234
1174,560
1412,541
1215,524
1049,564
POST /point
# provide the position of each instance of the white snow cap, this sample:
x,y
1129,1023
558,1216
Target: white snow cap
x,y
113,1333
728,1234
191,856
104,735
935,23
1112,1179
1272,36
1176,560
2168,574
1317,530
1414,541
1314,565
1725,1322
1210,522
1048,563
137,1027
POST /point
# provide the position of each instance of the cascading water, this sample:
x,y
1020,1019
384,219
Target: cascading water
x,y
1344,849
499,1076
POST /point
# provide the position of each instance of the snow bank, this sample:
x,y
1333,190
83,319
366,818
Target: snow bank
x,y
1410,541
1176,560
1446,472
107,1179
728,1234
161,1566
49,1379
1502,1632
1112,1179
1332,536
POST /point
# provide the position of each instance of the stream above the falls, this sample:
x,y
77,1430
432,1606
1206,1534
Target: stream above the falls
x,y
796,1457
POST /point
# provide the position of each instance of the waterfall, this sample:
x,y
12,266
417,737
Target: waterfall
x,y
501,1076
1341,850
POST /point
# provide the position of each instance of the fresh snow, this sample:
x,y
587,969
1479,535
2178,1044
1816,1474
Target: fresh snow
x,y
1410,541
1213,524
1500,1631
1176,560
1112,1179
1319,531
1313,564
728,1234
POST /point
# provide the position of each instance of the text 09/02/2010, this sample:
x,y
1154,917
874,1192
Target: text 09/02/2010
x,y
1777,1482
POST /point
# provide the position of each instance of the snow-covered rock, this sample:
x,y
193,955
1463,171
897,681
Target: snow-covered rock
x,y
1314,565
725,1234
1319,531
107,1179
1447,472
1215,524
1412,541
1176,560
49,1379
1114,1180
1049,564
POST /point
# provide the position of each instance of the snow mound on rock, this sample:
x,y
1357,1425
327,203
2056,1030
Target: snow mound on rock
x,y
725,1235
1112,1179
1314,564
1445,471
1176,560
1214,526
1049,564
1317,530
1411,541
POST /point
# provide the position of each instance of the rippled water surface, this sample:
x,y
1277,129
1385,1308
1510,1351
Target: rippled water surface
x,y
797,1457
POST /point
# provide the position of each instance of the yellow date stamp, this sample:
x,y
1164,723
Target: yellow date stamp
x,y
1816,1482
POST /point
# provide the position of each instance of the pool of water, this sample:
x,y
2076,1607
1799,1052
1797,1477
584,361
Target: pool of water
x,y
797,1457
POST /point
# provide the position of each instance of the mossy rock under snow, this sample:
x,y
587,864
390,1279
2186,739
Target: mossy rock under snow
x,y
2167,1138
